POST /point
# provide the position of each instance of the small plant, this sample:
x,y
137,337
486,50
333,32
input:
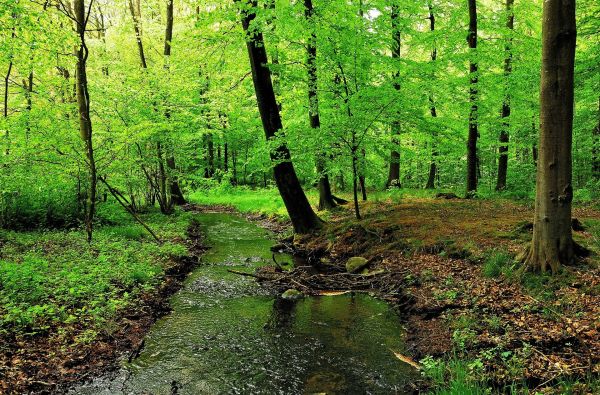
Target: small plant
x,y
497,263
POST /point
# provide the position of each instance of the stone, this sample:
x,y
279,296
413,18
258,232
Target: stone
x,y
356,264
292,294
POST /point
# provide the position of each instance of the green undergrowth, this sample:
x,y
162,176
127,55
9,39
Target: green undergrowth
x,y
456,375
53,278
265,201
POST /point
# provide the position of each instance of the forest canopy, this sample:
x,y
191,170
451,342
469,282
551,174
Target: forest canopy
x,y
393,79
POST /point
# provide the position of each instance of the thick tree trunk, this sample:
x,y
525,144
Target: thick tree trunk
x,y
325,196
552,243
473,97
504,134
394,170
85,122
303,217
433,110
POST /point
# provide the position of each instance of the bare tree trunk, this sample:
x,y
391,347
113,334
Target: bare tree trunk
x,y
361,176
355,183
28,86
433,110
138,31
596,148
473,97
504,134
6,92
325,196
174,188
552,243
394,170
85,122
304,219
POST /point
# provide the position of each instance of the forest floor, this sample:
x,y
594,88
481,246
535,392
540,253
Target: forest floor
x,y
469,301
473,319
68,311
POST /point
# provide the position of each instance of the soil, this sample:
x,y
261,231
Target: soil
x,y
44,364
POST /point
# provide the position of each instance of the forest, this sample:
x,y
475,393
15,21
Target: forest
x,y
300,196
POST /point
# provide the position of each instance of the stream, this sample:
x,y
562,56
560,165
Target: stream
x,y
226,335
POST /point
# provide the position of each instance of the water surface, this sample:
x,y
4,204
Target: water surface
x,y
228,336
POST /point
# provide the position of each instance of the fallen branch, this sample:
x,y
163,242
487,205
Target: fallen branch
x,y
122,200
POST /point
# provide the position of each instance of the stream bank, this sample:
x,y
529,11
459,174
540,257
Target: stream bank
x,y
226,334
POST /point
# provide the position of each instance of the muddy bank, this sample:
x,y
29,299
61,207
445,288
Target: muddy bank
x,y
41,364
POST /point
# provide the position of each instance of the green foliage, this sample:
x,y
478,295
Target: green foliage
x,y
454,376
56,278
244,199
498,262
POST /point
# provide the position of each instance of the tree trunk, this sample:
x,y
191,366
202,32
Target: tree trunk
x,y
355,183
473,96
552,243
301,213
394,170
361,177
85,122
225,158
596,148
504,134
28,85
174,188
325,196
138,32
433,110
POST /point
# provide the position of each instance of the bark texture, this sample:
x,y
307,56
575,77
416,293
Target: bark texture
x,y
552,243
504,134
85,122
325,196
433,110
174,188
473,97
304,219
394,170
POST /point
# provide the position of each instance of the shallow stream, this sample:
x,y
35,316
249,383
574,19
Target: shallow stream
x,y
226,335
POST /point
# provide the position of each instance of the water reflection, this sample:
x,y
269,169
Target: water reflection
x,y
226,336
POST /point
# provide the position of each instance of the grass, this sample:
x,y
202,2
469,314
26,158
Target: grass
x,y
497,262
54,278
246,200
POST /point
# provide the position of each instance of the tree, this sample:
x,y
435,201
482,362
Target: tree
x,y
325,196
552,243
83,104
394,170
504,134
432,108
304,219
473,97
174,188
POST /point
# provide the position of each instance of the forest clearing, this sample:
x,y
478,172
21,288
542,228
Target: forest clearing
x,y
300,197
